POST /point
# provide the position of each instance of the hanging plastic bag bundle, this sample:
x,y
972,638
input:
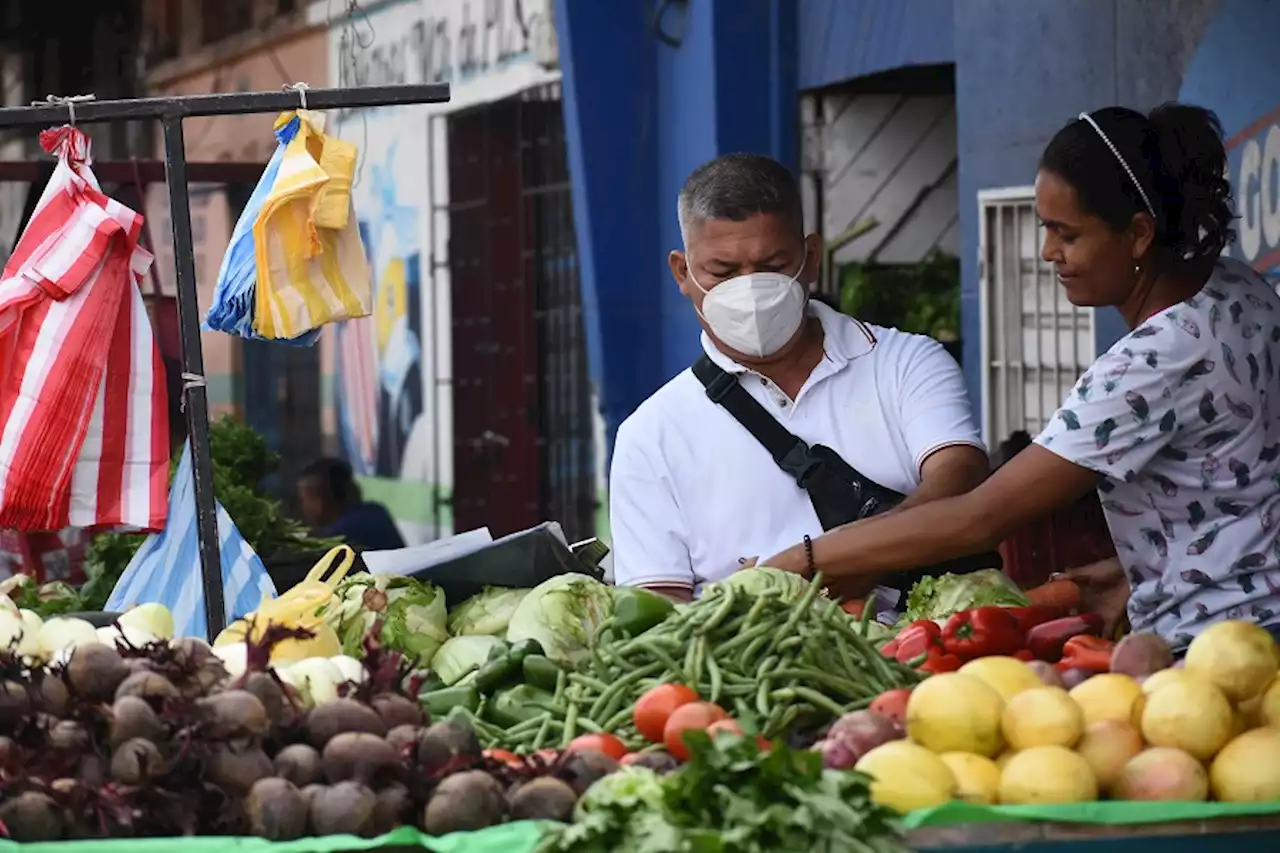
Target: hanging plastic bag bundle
x,y
84,437
234,294
311,262
166,569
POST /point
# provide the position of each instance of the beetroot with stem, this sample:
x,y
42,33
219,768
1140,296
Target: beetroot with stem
x,y
95,672
463,802
347,808
546,798
394,807
277,810
299,763
234,769
69,735
233,714
446,746
360,757
132,717
397,710
582,768
404,740
337,716
136,761
151,686
32,816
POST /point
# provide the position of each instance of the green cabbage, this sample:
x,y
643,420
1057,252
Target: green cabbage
x,y
487,612
413,613
940,597
563,614
757,579
462,655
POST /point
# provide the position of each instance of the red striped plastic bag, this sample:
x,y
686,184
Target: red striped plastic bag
x,y
84,437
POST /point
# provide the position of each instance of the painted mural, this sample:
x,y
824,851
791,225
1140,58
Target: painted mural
x,y
392,370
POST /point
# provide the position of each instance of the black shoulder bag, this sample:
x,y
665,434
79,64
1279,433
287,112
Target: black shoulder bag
x,y
840,493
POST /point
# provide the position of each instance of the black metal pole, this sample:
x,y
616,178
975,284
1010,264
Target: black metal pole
x,y
231,103
195,401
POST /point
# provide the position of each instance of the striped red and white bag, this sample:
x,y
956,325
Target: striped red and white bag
x,y
84,434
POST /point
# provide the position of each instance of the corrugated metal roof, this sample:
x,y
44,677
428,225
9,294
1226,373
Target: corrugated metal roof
x,y
842,40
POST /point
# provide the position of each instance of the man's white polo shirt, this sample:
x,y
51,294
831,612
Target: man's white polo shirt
x,y
691,491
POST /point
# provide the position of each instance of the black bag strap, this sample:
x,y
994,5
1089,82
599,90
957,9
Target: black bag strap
x,y
789,452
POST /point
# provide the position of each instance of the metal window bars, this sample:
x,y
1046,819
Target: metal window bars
x,y
170,111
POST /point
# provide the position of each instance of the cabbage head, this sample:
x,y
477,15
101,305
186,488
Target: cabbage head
x,y
939,597
487,612
461,655
563,614
758,579
413,613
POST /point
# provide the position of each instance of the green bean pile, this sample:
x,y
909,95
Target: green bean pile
x,y
767,661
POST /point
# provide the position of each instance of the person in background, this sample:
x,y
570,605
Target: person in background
x,y
333,506
1176,425
693,490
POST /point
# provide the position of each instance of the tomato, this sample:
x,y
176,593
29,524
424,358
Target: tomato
x,y
731,725
892,704
854,607
508,758
694,716
656,705
608,744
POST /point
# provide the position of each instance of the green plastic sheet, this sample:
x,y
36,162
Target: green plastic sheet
x,y
519,837
1101,814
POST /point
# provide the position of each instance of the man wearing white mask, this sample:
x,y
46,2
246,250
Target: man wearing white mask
x,y
797,418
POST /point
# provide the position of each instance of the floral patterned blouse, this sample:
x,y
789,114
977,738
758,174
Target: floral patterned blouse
x,y
1181,420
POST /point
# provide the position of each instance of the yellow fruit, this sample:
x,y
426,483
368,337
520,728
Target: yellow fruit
x,y
906,777
1239,658
1253,710
1162,773
1267,709
1009,676
1191,715
1107,746
1247,770
1155,681
1107,697
1045,716
1047,774
977,777
955,713
1003,758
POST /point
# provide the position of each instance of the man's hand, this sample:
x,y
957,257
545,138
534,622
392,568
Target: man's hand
x,y
1105,590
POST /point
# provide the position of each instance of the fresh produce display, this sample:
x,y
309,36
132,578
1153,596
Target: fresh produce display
x,y
1135,727
775,665
731,796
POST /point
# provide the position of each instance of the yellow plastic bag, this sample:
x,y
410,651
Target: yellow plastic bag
x,y
309,273
299,607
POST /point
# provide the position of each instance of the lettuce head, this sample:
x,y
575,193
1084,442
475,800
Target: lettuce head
x,y
487,612
940,597
563,614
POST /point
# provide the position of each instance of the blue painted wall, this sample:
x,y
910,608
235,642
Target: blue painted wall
x,y
640,116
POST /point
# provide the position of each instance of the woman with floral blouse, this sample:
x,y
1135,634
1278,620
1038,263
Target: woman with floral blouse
x,y
1176,425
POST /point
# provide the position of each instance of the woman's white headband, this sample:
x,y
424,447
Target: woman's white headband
x,y
1123,164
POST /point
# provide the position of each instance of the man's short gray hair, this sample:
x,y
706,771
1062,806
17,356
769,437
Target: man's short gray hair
x,y
736,187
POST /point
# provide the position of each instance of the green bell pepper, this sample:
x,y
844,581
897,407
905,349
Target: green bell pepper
x,y
438,703
541,672
505,669
517,705
637,610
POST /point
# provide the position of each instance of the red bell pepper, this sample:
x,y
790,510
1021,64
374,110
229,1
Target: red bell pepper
x,y
1037,614
982,632
938,662
1024,655
916,640
1092,654
1045,641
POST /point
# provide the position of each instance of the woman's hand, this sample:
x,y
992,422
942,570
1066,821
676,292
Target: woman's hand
x,y
1105,590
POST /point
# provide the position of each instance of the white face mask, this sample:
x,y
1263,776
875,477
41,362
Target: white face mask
x,y
755,314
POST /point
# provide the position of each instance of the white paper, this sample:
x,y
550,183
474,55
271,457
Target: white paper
x,y
406,561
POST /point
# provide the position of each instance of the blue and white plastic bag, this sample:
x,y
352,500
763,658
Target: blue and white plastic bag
x,y
166,569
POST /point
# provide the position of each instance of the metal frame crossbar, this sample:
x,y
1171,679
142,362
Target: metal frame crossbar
x,y
170,111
